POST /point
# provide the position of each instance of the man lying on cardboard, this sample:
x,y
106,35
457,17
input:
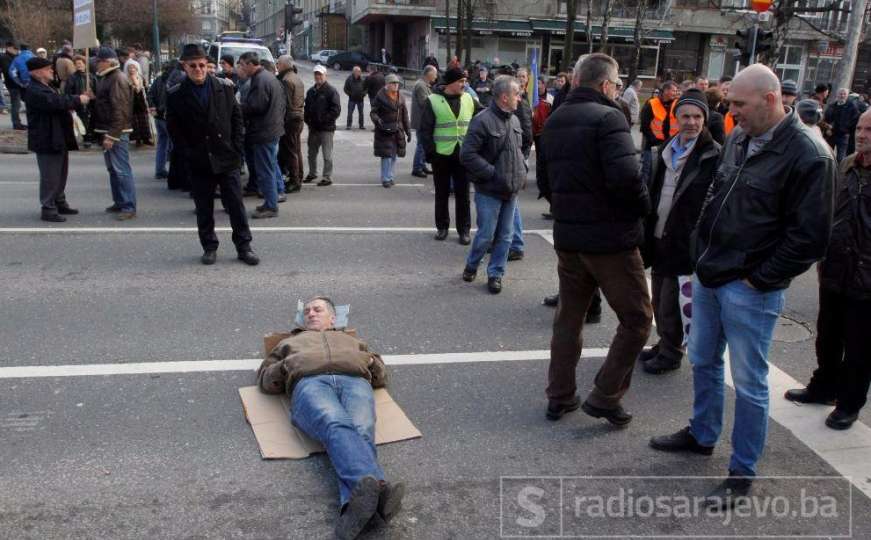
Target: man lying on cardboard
x,y
329,374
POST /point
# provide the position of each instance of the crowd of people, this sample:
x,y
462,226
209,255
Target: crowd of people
x,y
738,188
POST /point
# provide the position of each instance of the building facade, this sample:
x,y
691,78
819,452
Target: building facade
x,y
216,16
324,25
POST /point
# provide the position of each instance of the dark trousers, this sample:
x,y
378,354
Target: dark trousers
x,y
252,183
843,350
290,153
15,106
53,169
621,278
179,171
359,106
445,168
666,311
203,190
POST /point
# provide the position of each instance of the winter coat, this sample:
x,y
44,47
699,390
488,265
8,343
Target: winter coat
x,y
598,198
523,112
768,219
75,86
312,352
263,108
484,90
717,127
374,83
355,88
322,107
419,101
492,153
49,122
18,71
842,117
391,125
157,95
211,139
670,255
113,104
847,267
294,92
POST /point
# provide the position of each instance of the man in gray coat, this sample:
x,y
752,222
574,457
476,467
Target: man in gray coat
x,y
420,100
492,155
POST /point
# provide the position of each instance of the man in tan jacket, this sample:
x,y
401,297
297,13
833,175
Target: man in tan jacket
x,y
290,146
328,374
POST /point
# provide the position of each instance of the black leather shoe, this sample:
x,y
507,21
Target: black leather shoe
x,y
661,364
547,215
802,395
593,317
209,257
325,181
359,510
551,301
616,416
648,354
726,494
292,188
682,441
465,239
515,255
66,210
248,257
264,213
555,411
441,234
309,178
114,209
390,500
469,274
419,174
841,420
52,217
494,285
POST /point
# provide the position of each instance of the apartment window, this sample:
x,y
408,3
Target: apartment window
x,y
579,7
789,63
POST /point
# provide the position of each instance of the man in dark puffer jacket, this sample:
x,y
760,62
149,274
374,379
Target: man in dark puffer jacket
x,y
598,202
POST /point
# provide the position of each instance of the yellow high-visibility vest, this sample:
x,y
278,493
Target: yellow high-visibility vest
x,y
450,130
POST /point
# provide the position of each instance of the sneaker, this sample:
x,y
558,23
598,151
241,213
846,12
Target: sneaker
x,y
617,416
325,181
494,285
360,508
661,364
248,257
555,410
125,215
469,274
263,213
682,441
309,178
209,257
515,255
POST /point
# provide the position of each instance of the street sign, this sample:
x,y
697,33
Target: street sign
x,y
84,24
760,6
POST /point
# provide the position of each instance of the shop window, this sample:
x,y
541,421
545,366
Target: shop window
x,y
789,63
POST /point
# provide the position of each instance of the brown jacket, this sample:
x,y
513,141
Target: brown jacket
x,y
113,106
310,352
295,92
64,67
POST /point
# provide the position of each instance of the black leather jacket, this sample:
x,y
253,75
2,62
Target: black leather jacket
x,y
768,219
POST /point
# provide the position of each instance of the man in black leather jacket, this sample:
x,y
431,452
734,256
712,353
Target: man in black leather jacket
x,y
766,220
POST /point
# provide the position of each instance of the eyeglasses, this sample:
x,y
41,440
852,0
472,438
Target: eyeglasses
x,y
196,66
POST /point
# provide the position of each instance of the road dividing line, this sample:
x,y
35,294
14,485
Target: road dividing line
x,y
150,230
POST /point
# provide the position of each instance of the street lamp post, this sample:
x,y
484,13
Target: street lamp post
x,y
155,31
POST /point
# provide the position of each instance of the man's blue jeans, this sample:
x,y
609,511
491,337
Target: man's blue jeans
x,y
121,175
268,172
495,226
419,163
517,236
388,168
339,412
164,147
743,318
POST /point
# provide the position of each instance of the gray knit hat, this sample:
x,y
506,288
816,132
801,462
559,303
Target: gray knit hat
x,y
693,96
789,88
809,111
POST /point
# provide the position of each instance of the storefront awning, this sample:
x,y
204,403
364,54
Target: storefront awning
x,y
508,27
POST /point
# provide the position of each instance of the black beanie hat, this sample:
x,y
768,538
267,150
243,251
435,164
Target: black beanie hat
x,y
693,96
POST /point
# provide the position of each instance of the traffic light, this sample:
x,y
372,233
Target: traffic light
x,y
764,40
744,43
291,17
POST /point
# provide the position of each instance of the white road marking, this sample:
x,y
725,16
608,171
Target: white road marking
x,y
372,184
147,230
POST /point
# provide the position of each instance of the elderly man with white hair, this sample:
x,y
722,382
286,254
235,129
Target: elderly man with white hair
x,y
767,219
842,115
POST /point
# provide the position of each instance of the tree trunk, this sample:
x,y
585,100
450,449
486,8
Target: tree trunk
x,y
448,33
568,48
458,51
606,20
637,38
843,76
589,26
470,15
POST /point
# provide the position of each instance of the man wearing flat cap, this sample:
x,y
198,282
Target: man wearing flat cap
x,y
788,92
443,128
50,136
205,123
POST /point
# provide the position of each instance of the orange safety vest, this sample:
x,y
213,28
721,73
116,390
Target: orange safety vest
x,y
728,123
659,118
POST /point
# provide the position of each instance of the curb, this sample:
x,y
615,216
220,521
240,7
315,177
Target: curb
x,y
12,149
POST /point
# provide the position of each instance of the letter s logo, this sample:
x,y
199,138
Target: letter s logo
x,y
524,499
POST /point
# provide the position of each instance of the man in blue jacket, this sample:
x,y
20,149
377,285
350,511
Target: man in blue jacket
x,y
50,136
18,71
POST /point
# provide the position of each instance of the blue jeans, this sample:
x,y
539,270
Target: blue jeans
x,y
164,147
743,318
517,236
351,106
2,101
495,226
419,163
121,175
269,178
388,166
339,412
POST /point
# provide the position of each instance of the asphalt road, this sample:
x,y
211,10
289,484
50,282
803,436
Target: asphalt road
x,y
170,455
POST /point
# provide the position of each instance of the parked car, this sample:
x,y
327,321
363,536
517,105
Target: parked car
x,y
349,59
234,46
324,55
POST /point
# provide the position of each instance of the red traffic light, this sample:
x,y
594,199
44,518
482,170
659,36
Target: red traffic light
x,y
760,6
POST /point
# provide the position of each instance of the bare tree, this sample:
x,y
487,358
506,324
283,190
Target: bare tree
x,y
637,38
128,20
606,20
568,49
40,23
458,51
589,26
448,33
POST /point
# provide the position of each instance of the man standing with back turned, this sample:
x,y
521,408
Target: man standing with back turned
x,y
598,202
766,220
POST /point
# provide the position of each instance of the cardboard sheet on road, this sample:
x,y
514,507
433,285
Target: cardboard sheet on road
x,y
278,438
